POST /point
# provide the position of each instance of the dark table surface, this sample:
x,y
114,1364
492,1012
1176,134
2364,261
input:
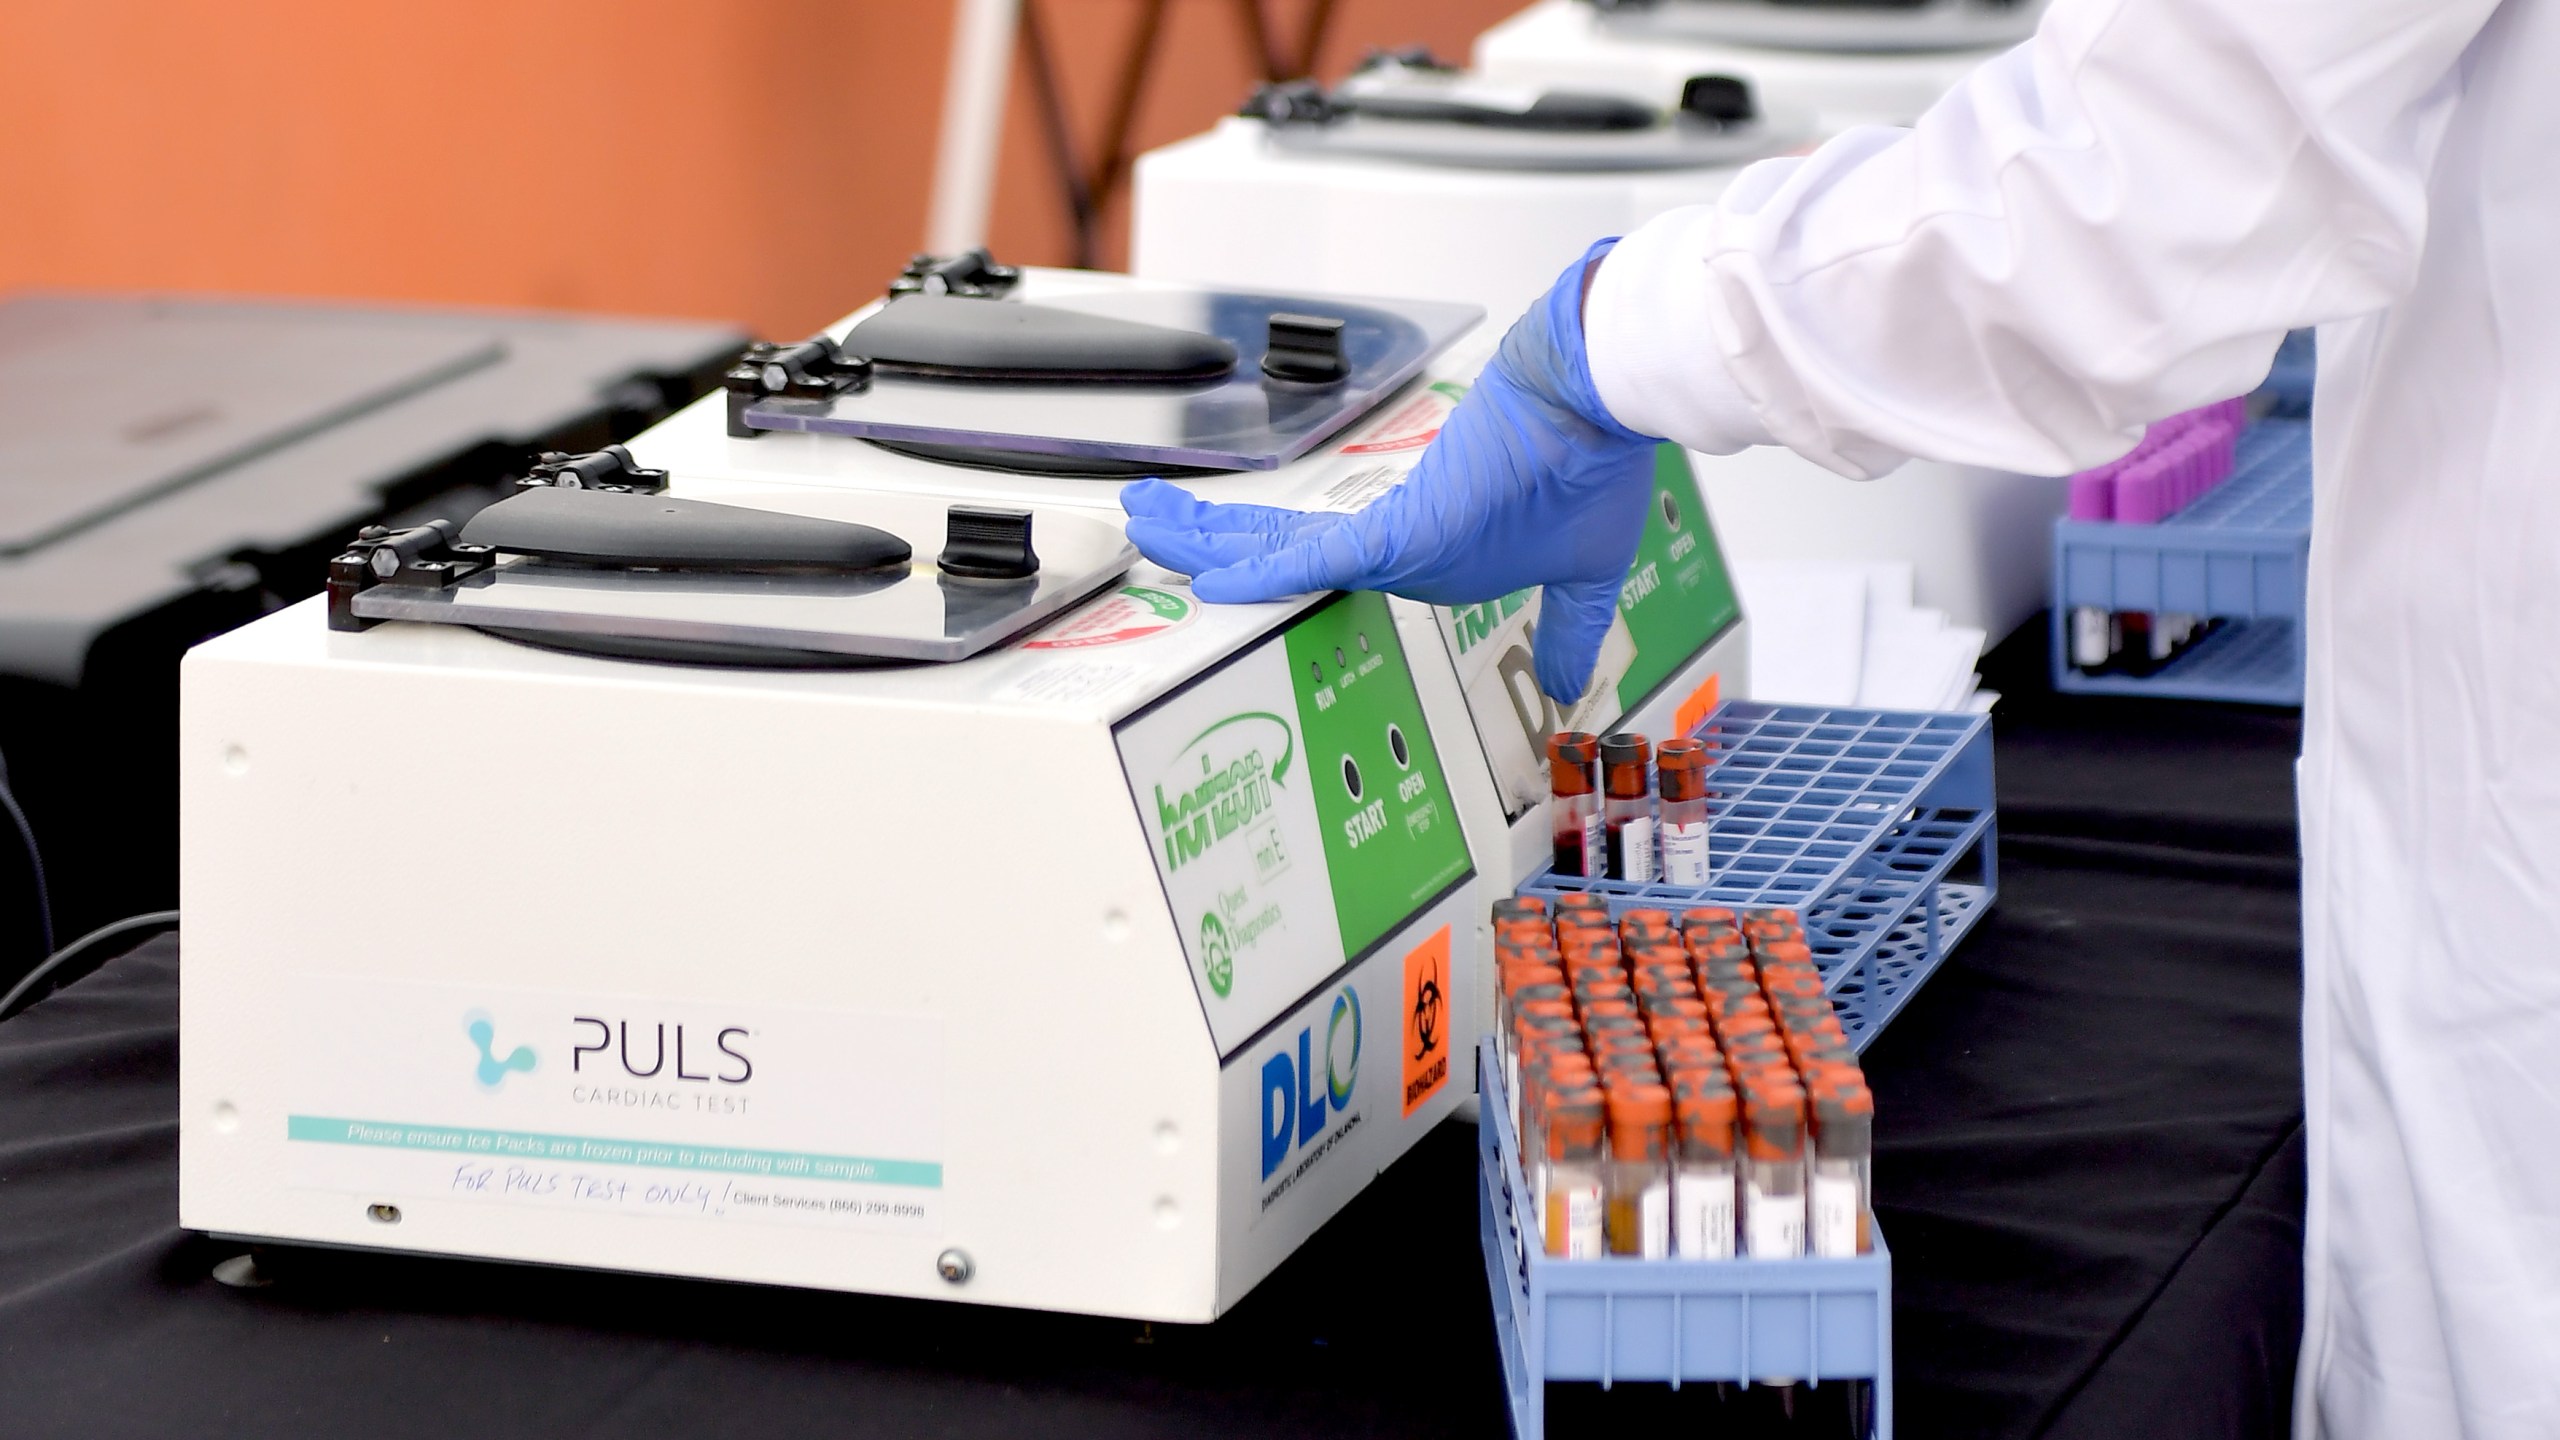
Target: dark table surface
x,y
2088,1159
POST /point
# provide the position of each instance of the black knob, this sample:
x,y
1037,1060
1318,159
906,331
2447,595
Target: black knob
x,y
1306,349
985,543
1723,99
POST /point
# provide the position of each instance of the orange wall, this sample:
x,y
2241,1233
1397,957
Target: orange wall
x,y
766,163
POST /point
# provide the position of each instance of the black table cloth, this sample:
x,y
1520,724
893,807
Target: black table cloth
x,y
2088,1162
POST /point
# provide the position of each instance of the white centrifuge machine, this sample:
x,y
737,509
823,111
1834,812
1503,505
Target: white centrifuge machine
x,y
809,847
1414,178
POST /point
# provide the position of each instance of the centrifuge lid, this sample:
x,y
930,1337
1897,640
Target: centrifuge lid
x,y
918,610
1243,420
1835,27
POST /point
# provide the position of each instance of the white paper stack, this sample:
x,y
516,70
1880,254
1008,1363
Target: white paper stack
x,y
1845,632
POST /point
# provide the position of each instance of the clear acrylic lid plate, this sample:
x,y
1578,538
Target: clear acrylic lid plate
x,y
1244,422
912,612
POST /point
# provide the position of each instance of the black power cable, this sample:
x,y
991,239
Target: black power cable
x,y
35,864
32,988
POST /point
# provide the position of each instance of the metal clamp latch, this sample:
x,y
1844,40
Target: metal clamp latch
x,y
1293,102
971,274
610,468
426,557
815,369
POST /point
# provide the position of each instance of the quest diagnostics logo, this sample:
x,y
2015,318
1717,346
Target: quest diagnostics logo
x,y
1217,955
1301,1092
1223,781
493,1069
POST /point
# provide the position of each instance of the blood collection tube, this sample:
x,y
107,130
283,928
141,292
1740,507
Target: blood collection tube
x,y
1607,999
2095,636
1626,771
1758,1051
1786,950
1539,1025
1573,779
1520,907
1774,924
1546,1073
1628,1067
1659,984
1581,932
1683,768
1688,1052
1729,1001
1844,1115
1639,1176
1789,982
1644,922
1714,940
1796,1008
1607,1043
1581,927
1522,987
1702,1180
1773,1172
1603,992
1572,1213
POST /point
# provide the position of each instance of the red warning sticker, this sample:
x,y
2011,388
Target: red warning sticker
x,y
1133,612
1411,425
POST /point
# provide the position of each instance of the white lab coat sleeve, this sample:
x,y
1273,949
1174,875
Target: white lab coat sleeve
x,y
2116,221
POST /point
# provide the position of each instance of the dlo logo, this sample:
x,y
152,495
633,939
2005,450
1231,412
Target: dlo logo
x,y
491,1070
1293,1106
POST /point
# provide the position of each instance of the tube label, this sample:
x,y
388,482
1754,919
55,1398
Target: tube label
x,y
1574,1221
1684,854
1631,850
1835,1216
1774,1225
1653,1220
1705,1216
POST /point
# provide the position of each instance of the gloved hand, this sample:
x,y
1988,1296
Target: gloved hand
x,y
1530,482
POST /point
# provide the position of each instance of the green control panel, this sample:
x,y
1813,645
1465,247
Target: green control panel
x,y
1297,809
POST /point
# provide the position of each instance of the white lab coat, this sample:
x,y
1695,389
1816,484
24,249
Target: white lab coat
x,y
2115,222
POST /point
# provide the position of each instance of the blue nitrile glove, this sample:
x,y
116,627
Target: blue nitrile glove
x,y
1530,482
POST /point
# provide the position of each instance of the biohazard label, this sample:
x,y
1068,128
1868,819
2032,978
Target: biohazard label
x,y
1426,1019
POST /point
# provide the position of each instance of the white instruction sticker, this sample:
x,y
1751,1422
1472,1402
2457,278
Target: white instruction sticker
x,y
1070,682
1353,492
600,1102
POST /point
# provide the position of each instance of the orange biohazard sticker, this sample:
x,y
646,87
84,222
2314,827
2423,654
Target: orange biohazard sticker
x,y
1426,1019
1694,711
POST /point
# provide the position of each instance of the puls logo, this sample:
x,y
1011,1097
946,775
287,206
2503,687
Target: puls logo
x,y
1295,1102
492,1071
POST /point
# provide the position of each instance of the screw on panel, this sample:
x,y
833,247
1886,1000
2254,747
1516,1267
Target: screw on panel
x,y
383,1214
954,1266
